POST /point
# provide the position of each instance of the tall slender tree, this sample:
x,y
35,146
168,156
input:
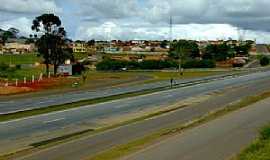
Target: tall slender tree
x,y
182,50
51,44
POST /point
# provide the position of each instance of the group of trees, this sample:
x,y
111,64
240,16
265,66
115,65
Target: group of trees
x,y
10,33
114,65
222,52
184,51
52,46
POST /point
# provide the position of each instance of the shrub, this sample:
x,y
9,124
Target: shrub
x,y
18,66
199,64
3,67
265,133
111,65
264,61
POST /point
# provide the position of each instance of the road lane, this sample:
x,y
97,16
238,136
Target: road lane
x,y
58,99
88,115
88,146
217,140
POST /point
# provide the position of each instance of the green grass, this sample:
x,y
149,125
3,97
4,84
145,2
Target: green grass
x,y
21,73
133,146
258,150
19,59
80,56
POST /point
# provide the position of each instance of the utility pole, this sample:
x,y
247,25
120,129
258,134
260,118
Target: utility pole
x,y
171,28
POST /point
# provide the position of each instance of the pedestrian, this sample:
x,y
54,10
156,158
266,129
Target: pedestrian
x,y
171,82
84,76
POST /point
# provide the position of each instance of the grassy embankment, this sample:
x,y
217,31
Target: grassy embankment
x,y
20,73
259,149
19,59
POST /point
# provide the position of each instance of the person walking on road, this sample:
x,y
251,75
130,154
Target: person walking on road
x,y
171,82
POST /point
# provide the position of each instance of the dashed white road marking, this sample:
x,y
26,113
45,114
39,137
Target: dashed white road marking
x,y
55,120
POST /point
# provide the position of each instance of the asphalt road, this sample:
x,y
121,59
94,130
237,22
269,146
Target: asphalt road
x,y
14,130
11,106
217,140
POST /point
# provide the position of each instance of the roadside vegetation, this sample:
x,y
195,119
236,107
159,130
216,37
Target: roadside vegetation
x,y
20,59
17,72
264,60
260,149
115,65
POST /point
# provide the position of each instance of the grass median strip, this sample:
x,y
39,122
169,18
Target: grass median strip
x,y
125,149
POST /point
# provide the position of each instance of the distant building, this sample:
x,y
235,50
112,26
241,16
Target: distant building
x,y
17,48
139,56
79,47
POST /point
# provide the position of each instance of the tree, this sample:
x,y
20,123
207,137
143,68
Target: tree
x,y
243,49
218,52
51,45
181,50
91,42
164,44
191,47
10,33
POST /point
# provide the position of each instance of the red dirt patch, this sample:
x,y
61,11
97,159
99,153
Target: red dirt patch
x,y
14,90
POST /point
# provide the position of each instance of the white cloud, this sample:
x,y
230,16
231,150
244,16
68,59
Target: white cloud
x,y
29,6
23,24
147,19
182,31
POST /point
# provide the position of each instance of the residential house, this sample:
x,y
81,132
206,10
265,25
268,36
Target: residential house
x,y
79,47
17,48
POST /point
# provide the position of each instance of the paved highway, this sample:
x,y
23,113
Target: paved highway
x,y
88,146
12,106
216,140
54,124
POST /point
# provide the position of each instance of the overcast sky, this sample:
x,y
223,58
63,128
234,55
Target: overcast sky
x,y
145,19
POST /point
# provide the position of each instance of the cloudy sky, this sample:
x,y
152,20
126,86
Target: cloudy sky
x,y
146,19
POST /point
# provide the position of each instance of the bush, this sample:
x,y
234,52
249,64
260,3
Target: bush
x,y
3,67
18,66
113,65
265,133
199,64
264,61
